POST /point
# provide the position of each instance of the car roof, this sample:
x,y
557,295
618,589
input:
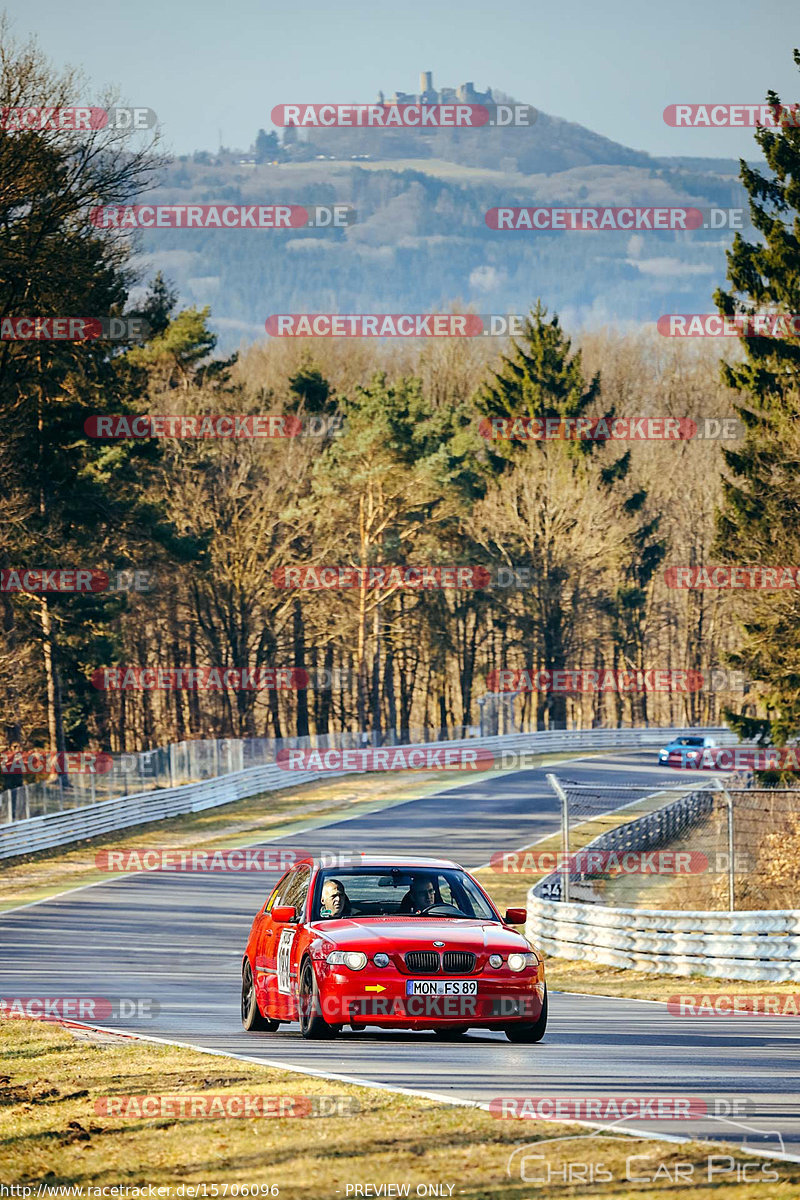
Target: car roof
x,y
385,861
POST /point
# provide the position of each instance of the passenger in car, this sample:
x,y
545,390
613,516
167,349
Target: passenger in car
x,y
421,895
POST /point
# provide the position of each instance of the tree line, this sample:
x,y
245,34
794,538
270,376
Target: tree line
x,y
390,464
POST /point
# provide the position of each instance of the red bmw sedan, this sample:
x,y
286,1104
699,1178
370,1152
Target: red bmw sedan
x,y
411,943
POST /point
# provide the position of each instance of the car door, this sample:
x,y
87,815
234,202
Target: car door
x,y
264,957
279,963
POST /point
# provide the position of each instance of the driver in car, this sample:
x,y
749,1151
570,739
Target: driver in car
x,y
334,900
421,895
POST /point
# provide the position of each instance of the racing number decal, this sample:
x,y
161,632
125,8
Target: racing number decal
x,y
284,960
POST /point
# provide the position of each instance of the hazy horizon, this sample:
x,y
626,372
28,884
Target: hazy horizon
x,y
179,60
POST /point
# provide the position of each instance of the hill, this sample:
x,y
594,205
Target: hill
x,y
421,242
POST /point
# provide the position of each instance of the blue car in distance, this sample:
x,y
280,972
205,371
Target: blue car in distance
x,y
688,748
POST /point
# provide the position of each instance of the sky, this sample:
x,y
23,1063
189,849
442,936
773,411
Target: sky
x,y
209,68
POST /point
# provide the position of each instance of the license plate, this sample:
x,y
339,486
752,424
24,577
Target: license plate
x,y
441,987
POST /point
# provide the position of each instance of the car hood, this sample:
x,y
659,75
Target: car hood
x,y
419,933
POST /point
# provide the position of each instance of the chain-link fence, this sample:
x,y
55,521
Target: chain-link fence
x,y
765,842
705,847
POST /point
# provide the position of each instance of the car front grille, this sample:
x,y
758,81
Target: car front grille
x,y
420,962
453,962
458,962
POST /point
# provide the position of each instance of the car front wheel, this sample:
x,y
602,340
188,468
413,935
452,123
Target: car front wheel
x,y
533,1032
312,1022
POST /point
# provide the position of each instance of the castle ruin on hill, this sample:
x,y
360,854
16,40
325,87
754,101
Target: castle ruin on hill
x,y
428,94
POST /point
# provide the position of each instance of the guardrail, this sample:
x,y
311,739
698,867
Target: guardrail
x,y
644,833
742,945
26,835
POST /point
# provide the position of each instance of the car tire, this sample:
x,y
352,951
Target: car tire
x,y
309,1009
451,1034
533,1032
251,1015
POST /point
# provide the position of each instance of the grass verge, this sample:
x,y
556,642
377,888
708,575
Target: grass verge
x,y
51,1134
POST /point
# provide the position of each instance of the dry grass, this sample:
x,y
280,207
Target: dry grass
x,y
50,1132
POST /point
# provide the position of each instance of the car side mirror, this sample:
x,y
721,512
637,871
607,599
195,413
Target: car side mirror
x,y
515,916
284,914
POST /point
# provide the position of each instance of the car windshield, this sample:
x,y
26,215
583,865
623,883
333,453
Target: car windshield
x,y
688,741
400,892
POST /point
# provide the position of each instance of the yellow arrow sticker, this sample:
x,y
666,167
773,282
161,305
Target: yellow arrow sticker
x,y
374,987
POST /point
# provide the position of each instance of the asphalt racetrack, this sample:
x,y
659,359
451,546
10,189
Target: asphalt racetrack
x,y
178,939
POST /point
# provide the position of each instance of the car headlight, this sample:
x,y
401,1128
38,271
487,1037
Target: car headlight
x,y
381,960
356,960
495,960
518,962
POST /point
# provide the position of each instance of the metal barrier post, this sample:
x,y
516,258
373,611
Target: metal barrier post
x,y
562,795
731,877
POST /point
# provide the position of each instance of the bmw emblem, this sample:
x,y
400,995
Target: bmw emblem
x,y
438,943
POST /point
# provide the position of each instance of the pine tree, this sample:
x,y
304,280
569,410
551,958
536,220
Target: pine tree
x,y
541,379
544,379
72,501
759,522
